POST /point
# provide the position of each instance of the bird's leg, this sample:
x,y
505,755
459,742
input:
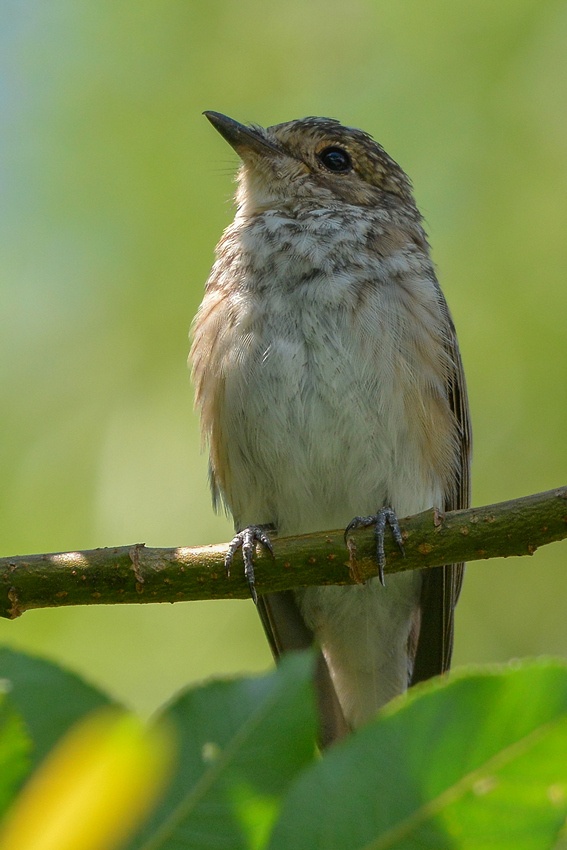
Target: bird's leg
x,y
246,540
385,515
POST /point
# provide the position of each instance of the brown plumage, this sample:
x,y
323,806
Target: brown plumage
x,y
330,384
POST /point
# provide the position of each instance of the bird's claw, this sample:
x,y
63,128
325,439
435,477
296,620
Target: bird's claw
x,y
246,540
385,516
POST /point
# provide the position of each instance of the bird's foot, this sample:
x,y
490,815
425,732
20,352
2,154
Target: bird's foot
x,y
246,540
385,516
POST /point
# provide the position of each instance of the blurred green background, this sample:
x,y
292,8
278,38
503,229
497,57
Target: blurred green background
x,y
114,192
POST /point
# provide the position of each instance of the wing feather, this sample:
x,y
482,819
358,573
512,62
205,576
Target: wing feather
x,y
442,585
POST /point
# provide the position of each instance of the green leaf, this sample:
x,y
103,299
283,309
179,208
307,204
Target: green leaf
x,y
479,761
241,743
14,751
48,698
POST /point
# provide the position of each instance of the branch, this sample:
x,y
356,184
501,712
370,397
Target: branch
x,y
138,574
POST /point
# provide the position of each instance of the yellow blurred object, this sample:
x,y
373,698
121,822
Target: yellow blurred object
x,y
93,789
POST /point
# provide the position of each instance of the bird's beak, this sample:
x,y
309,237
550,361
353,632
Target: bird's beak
x,y
243,139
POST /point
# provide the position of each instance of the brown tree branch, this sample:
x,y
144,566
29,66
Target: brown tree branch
x,y
138,574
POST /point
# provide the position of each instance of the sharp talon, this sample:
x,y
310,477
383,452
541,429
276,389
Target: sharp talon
x,y
359,522
385,516
253,593
246,540
265,541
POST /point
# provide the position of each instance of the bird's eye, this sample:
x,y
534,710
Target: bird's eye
x,y
335,159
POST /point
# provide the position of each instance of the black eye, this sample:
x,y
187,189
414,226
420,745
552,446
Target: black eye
x,y
335,159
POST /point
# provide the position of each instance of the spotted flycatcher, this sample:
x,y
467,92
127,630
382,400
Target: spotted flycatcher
x,y
330,386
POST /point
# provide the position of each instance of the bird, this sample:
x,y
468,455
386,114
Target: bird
x,y
331,393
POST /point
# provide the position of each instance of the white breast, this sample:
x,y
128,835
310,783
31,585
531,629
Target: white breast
x,y
319,361
316,384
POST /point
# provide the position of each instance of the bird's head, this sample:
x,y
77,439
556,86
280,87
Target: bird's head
x,y
312,162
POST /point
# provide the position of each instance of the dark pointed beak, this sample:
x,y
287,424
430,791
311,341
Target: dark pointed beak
x,y
240,137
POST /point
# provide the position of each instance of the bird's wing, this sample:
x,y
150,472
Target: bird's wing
x,y
442,585
286,630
